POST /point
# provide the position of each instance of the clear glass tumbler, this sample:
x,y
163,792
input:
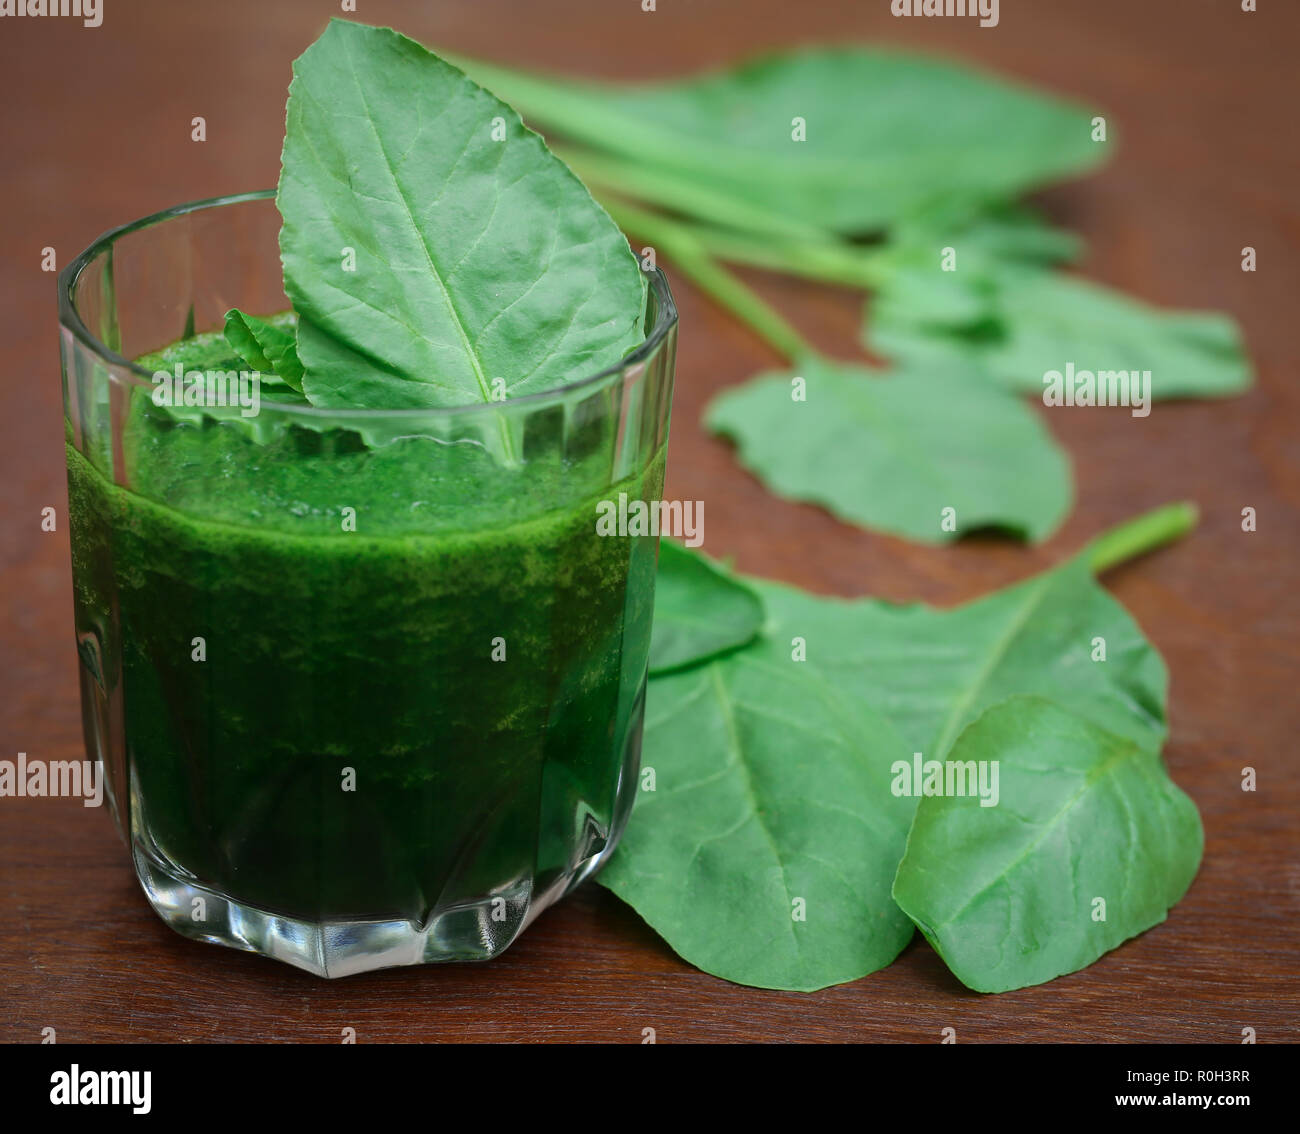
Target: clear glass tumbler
x,y
367,687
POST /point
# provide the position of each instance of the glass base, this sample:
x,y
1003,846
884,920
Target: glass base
x,y
476,932
473,930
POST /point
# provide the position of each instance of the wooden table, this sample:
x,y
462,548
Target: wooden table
x,y
96,130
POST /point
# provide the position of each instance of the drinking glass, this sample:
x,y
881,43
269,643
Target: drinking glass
x,y
366,685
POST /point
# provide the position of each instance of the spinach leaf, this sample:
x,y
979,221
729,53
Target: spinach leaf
x,y
478,255
210,354
1019,322
985,242
1008,231
885,134
931,671
765,853
700,610
894,452
1009,895
268,345
749,748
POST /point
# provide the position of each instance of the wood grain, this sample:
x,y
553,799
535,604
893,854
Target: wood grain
x,y
96,130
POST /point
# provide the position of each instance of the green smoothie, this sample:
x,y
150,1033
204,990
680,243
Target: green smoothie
x,y
379,724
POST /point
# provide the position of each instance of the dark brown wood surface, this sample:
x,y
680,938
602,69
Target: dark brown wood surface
x,y
95,130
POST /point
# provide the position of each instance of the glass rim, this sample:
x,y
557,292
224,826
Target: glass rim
x,y
70,318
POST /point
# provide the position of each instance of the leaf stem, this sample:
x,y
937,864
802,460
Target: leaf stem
x,y
663,186
679,242
735,230
824,260
1142,534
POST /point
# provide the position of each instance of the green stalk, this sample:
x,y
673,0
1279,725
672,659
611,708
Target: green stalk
x,y
659,185
679,243
1140,535
822,260
747,234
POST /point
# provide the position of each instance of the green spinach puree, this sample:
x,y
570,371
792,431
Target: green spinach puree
x,y
347,747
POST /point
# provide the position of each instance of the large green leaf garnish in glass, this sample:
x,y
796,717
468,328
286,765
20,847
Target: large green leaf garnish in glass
x,y
436,252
